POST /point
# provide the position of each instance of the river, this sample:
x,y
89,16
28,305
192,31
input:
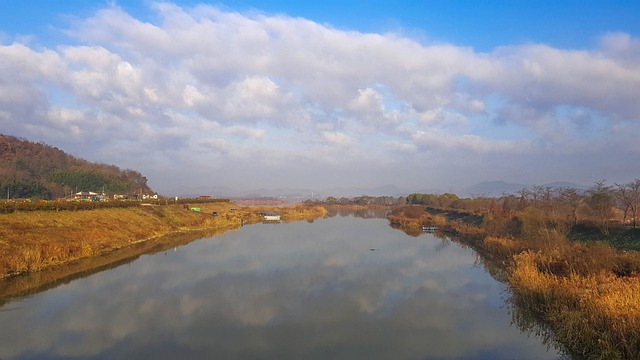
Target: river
x,y
343,287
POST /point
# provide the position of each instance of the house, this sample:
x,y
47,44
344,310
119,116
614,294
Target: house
x,y
86,196
147,196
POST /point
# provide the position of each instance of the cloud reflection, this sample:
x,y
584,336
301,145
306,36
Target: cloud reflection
x,y
298,290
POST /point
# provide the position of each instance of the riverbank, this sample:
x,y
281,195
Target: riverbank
x,y
583,295
37,240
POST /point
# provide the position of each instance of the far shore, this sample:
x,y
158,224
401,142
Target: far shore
x,y
32,241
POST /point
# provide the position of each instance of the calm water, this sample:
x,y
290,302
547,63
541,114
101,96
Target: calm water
x,y
279,291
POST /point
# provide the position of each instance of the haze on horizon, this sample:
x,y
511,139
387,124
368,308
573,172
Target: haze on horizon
x,y
257,94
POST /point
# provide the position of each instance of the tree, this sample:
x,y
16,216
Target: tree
x,y
600,200
629,196
572,198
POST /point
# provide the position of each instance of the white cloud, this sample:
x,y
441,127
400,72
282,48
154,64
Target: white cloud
x,y
64,117
246,132
402,147
218,145
368,101
621,46
336,138
438,140
256,83
253,98
192,96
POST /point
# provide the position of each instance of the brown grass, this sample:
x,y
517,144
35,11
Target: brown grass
x,y
34,282
587,294
35,240
596,315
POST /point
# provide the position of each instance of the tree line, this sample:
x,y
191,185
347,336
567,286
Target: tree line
x,y
360,201
600,204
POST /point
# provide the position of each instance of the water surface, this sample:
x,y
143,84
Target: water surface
x,y
337,288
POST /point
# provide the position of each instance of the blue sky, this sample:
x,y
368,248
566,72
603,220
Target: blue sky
x,y
248,94
482,25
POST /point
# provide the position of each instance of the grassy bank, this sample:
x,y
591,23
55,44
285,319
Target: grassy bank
x,y
584,294
34,282
36,240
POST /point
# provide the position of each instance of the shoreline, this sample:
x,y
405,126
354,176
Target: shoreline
x,y
38,240
26,284
583,296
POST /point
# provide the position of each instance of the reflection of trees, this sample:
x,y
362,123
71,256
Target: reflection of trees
x,y
413,232
526,321
443,244
364,212
530,323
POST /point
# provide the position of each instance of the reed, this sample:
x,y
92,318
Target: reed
x,y
35,240
596,315
585,294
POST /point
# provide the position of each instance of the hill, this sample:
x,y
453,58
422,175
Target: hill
x,y
36,170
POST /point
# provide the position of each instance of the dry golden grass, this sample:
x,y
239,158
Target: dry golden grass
x,y
596,315
35,240
412,218
501,248
588,294
34,282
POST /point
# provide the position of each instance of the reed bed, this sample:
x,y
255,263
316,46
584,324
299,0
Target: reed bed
x,y
586,295
35,240
595,315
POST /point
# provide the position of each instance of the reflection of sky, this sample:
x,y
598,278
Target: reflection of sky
x,y
295,290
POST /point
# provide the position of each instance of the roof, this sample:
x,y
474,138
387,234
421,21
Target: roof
x,y
86,193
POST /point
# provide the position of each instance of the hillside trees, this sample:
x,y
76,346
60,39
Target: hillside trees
x,y
24,189
29,169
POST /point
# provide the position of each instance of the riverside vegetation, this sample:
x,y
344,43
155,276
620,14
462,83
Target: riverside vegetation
x,y
35,240
584,294
552,246
38,235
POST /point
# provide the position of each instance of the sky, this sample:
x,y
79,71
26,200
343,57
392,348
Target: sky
x,y
438,94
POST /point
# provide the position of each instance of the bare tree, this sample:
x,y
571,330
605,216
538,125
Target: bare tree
x,y
524,198
600,201
629,196
572,198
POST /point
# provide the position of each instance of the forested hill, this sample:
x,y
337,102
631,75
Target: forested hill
x,y
36,170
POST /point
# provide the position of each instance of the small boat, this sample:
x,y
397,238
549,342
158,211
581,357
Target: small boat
x,y
271,216
429,228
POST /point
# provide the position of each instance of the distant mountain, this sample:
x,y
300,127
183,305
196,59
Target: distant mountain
x,y
193,192
292,193
29,169
385,190
489,188
493,188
